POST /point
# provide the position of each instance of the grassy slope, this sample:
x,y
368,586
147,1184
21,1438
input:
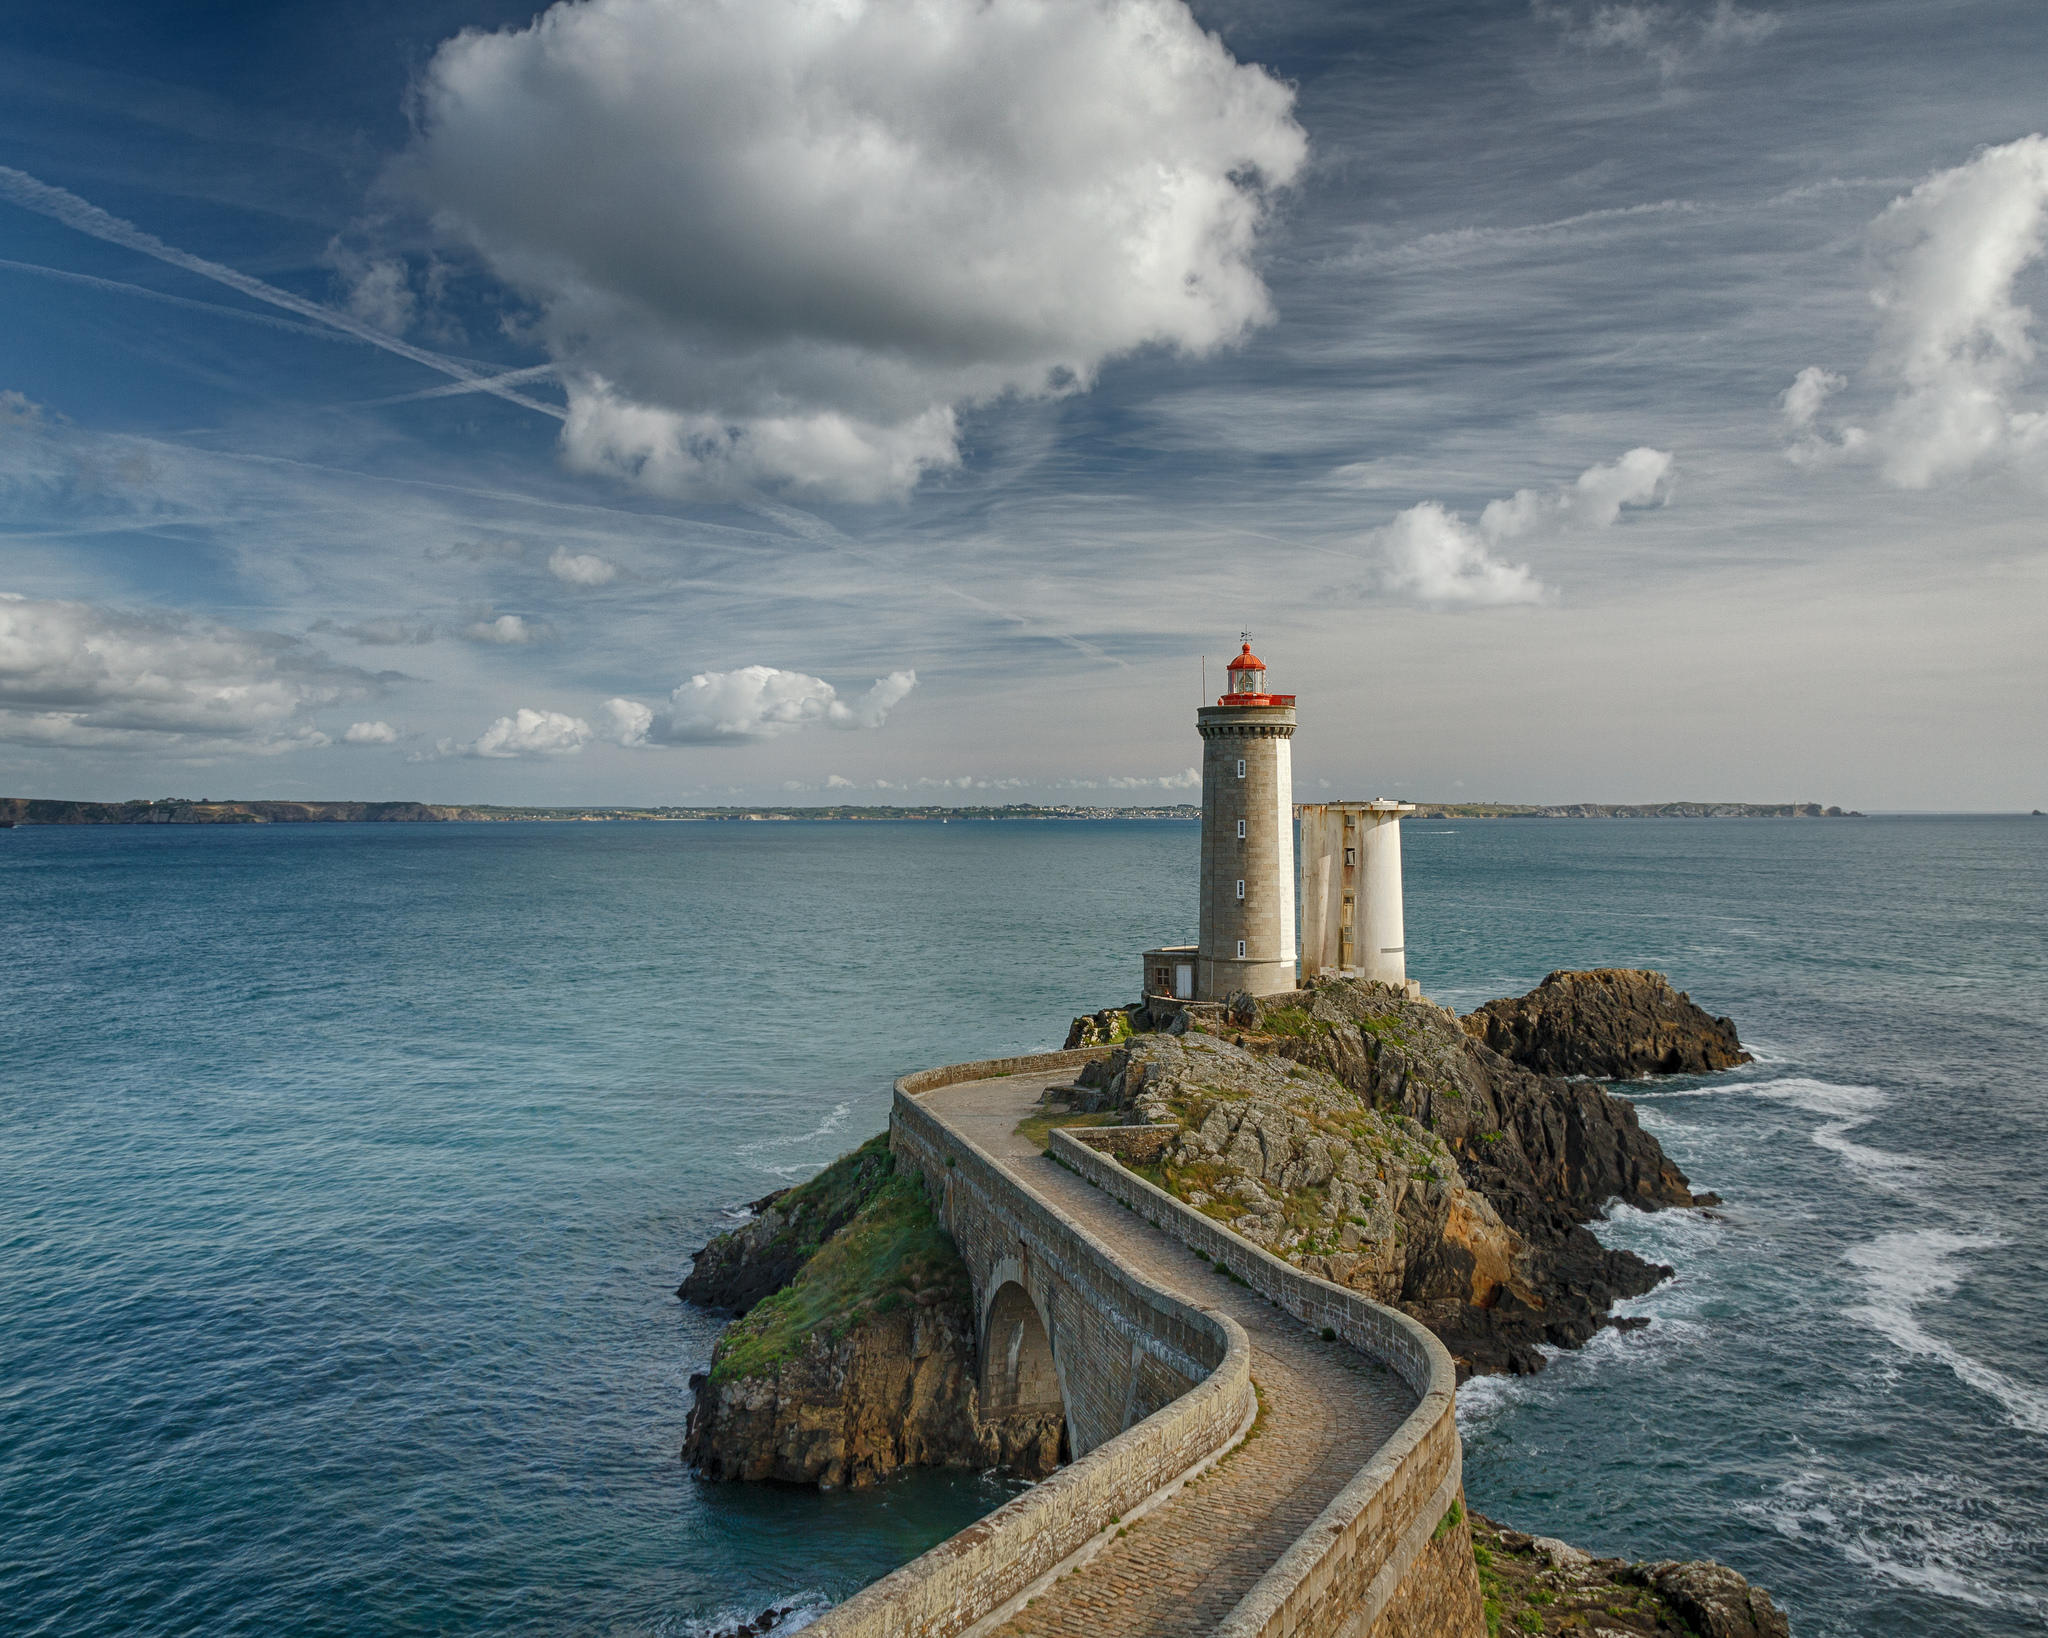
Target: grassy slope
x,y
893,1251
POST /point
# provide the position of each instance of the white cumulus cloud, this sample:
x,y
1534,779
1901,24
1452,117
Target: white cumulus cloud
x,y
74,674
582,568
784,240
525,732
369,733
1431,555
1955,349
753,702
506,629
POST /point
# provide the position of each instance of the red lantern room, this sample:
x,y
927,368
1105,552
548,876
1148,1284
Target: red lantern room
x,y
1248,682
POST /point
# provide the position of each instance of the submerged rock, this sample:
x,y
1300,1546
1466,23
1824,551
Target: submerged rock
x,y
1613,1024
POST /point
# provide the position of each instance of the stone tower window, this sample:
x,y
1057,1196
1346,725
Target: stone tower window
x,y
1240,830
1240,949
1240,887
1240,767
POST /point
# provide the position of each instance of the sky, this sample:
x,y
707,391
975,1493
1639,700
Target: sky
x,y
880,401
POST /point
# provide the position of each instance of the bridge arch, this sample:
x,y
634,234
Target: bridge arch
x,y
1019,1372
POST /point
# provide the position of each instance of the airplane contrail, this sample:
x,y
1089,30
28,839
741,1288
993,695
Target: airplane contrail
x,y
19,188
509,378
91,281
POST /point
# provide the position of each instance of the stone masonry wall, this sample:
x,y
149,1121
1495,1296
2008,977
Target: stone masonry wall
x,y
1359,1561
1371,1566
1440,1593
992,1561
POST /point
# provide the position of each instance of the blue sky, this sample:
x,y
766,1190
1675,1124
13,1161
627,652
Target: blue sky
x,y
881,400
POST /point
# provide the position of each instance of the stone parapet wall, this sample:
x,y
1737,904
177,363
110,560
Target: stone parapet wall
x,y
1143,1144
1367,1558
1200,1363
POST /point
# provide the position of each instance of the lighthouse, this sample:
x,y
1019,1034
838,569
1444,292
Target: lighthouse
x,y
1247,925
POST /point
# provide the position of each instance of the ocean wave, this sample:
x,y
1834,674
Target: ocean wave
x,y
792,1140
1846,1109
1942,1533
790,1613
1684,1239
1483,1400
1902,1270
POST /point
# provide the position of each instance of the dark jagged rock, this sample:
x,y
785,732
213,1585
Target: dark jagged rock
x,y
1547,1154
1536,1584
769,1620
1613,1024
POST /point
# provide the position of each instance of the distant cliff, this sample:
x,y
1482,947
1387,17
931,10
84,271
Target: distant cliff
x,y
33,810
24,810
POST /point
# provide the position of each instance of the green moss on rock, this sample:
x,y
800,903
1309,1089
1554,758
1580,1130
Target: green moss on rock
x,y
891,1251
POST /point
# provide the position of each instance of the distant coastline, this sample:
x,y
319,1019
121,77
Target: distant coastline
x,y
30,810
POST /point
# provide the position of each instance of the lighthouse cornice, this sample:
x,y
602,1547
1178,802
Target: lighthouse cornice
x,y
1259,721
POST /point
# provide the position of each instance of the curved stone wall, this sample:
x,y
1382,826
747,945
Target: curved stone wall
x,y
998,1559
1383,1560
1355,1567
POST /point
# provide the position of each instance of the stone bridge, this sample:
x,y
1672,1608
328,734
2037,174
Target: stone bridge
x,y
1256,1453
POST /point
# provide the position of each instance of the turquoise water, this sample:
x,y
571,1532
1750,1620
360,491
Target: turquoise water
x,y
348,1171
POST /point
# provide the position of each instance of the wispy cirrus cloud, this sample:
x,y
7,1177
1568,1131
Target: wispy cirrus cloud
x,y
1668,35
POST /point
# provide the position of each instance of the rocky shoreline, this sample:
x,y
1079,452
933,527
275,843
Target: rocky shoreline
x,y
1445,1166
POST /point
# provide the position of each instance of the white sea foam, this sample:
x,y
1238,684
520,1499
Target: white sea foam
x,y
1847,1109
1484,1399
800,1610
793,1140
1941,1533
1902,1270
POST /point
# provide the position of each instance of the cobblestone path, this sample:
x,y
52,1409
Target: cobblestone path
x,y
1325,1410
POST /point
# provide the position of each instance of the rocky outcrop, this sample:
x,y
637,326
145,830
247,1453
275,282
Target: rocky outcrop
x,y
895,1390
854,1355
1613,1024
737,1269
1294,1161
1535,1584
1544,1155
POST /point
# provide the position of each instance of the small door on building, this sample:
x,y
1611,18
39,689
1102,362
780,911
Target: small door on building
x,y
1184,981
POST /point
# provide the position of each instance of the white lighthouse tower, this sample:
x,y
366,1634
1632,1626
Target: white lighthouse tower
x,y
1247,929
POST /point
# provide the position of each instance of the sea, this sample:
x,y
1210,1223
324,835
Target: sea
x,y
347,1172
